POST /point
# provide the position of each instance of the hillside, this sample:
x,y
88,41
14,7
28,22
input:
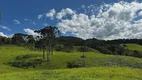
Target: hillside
x,y
106,67
60,59
134,47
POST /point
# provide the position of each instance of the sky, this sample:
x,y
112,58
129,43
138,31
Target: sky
x,y
101,19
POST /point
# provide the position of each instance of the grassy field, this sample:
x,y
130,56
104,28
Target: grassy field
x,y
98,73
106,67
134,47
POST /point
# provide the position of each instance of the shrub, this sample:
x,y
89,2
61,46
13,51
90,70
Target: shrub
x,y
137,54
75,64
25,64
59,48
25,56
83,49
25,61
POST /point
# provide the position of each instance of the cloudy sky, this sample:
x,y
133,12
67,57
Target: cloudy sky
x,y
101,19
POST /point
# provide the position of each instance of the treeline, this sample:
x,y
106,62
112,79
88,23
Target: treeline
x,y
62,43
115,47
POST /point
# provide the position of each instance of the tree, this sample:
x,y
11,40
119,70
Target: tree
x,y
68,47
137,54
48,35
19,38
83,50
30,41
42,46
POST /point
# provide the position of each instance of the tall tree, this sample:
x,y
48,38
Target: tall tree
x,y
48,34
30,41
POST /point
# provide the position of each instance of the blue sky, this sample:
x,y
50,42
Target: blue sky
x,y
18,15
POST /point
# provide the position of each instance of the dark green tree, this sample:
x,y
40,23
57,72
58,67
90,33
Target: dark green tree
x,y
19,38
48,35
30,41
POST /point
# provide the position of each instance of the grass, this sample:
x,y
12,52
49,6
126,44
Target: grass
x,y
59,59
134,47
106,67
97,73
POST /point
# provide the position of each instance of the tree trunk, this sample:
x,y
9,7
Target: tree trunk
x,y
43,53
51,48
83,59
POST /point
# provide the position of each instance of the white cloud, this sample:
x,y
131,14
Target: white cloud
x,y
30,21
33,22
3,35
5,27
51,14
45,24
39,16
31,32
64,12
26,19
16,21
112,21
140,13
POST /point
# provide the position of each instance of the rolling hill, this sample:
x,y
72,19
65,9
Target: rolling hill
x,y
106,67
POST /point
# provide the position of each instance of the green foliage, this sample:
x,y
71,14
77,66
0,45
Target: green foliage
x,y
70,40
4,40
137,54
59,48
83,49
75,64
65,48
25,61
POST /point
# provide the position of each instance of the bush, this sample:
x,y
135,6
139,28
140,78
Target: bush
x,y
64,48
25,64
75,64
25,61
59,48
68,48
83,49
25,56
137,54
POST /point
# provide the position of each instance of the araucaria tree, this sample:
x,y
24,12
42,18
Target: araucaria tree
x,y
48,34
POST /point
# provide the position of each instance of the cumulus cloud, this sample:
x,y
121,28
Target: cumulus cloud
x,y
5,27
16,21
64,12
111,21
31,32
3,35
51,14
